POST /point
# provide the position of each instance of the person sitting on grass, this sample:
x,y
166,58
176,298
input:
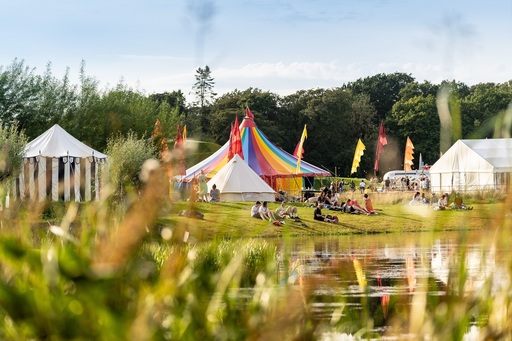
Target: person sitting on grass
x,y
265,213
214,194
355,207
368,205
255,210
416,199
283,211
321,217
442,203
457,204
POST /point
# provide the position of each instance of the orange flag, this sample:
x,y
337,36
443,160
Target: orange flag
x,y
408,157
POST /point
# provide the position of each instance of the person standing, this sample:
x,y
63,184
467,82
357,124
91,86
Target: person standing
x,y
362,186
203,187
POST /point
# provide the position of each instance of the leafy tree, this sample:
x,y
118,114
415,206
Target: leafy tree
x,y
175,99
384,91
416,118
483,103
12,144
126,156
203,87
19,93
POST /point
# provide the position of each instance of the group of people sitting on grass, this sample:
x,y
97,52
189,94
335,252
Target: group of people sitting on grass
x,y
457,203
441,204
349,206
261,211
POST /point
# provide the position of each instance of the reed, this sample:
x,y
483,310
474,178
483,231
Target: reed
x,y
84,272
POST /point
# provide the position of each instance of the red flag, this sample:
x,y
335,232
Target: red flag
x,y
381,142
231,139
248,113
237,140
180,151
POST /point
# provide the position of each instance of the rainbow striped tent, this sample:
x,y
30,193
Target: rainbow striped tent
x,y
265,159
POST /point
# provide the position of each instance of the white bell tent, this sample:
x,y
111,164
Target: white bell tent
x,y
54,163
236,181
473,165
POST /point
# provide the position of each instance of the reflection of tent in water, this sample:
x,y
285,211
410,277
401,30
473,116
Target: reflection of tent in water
x,y
236,181
267,160
480,266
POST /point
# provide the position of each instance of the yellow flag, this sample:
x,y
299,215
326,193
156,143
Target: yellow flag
x,y
299,150
184,134
408,156
360,148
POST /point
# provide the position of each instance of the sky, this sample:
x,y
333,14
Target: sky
x,y
280,46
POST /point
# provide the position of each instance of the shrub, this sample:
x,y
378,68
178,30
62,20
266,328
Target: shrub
x,y
125,158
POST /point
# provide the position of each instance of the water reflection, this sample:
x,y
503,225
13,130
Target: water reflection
x,y
377,277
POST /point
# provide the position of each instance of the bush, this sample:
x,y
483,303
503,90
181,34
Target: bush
x,y
125,158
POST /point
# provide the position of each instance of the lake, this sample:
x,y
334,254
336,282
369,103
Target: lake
x,y
386,278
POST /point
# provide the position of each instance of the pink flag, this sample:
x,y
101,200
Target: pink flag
x,y
381,142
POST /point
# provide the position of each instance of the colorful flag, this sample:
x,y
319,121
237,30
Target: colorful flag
x,y
360,148
381,142
408,157
184,135
299,149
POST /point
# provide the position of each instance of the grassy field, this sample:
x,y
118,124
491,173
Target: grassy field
x,y
233,220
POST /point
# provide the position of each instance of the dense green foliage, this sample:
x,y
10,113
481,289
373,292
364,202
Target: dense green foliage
x,y
126,156
12,144
335,117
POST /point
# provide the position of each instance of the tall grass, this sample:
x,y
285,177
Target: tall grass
x,y
84,273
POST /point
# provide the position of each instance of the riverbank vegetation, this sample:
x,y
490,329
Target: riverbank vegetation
x,y
87,273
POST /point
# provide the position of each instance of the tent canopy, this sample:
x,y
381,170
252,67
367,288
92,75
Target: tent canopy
x,y
56,142
481,155
473,164
238,182
262,156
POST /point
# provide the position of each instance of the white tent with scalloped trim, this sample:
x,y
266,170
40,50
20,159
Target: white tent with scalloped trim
x,y
58,166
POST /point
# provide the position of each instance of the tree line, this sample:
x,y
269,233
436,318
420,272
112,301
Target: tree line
x,y
336,117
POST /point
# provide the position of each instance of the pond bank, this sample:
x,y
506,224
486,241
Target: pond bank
x,y
233,220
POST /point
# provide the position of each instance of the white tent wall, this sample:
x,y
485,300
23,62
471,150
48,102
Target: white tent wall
x,y
473,165
66,178
236,181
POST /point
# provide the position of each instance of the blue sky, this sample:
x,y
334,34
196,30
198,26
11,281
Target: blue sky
x,y
277,45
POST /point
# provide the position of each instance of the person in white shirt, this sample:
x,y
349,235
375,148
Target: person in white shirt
x,y
284,212
255,210
265,213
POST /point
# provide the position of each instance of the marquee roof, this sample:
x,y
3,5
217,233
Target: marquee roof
x,y
264,158
56,142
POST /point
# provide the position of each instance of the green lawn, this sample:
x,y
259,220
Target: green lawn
x,y
233,220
